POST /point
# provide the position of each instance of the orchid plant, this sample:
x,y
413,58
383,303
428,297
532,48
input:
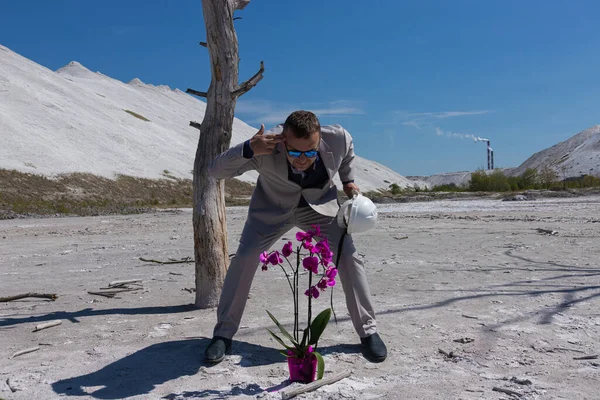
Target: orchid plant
x,y
315,257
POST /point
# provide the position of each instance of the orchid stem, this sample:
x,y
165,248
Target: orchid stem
x,y
332,309
296,300
294,287
288,278
310,274
337,265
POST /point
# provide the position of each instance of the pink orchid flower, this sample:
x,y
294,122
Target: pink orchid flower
x,y
287,249
275,258
311,264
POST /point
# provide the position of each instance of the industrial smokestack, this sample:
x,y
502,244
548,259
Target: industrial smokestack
x,y
490,152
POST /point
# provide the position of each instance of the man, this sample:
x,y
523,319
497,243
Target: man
x,y
296,162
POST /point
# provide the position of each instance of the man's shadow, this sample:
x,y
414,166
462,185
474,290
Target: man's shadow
x,y
140,372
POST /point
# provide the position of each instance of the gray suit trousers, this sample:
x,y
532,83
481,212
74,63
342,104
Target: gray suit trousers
x,y
244,264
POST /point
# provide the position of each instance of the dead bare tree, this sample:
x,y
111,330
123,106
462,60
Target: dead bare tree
x,y
210,230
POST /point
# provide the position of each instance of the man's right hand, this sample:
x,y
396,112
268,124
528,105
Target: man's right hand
x,y
262,144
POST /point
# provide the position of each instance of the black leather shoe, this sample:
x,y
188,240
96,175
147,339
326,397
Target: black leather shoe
x,y
216,349
373,348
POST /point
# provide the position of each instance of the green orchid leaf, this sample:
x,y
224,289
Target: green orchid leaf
x,y
318,325
283,330
284,353
304,337
279,340
320,365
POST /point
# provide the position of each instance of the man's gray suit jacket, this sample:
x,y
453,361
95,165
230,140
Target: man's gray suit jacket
x,y
275,196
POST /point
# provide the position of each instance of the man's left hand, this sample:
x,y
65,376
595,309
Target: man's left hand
x,y
349,188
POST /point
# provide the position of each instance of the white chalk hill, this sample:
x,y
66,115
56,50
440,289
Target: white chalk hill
x,y
74,120
576,156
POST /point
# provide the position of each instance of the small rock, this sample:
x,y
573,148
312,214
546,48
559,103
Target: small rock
x,y
520,381
518,197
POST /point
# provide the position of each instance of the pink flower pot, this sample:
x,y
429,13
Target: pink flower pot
x,y
302,369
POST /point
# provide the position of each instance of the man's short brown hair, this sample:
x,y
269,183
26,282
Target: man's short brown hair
x,y
302,124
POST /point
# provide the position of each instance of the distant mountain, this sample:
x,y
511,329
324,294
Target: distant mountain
x,y
458,178
576,156
76,120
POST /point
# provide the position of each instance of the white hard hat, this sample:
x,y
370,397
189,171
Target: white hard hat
x,y
357,215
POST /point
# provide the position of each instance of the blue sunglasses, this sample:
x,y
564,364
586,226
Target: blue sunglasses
x,y
308,154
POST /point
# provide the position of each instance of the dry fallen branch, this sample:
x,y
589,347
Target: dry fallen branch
x,y
182,261
507,391
464,340
547,231
566,349
288,394
594,357
109,295
26,351
400,237
122,283
47,325
50,296
468,316
113,292
250,83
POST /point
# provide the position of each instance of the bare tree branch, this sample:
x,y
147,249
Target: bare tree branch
x,y
197,126
203,44
240,4
250,83
197,93
237,18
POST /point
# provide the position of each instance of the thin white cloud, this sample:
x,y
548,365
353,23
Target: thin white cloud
x,y
457,135
441,114
413,123
338,111
267,112
420,119
429,121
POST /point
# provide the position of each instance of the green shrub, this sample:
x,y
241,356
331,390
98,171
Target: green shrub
x,y
395,189
451,187
494,182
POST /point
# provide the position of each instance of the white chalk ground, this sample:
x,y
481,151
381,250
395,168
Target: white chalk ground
x,y
468,269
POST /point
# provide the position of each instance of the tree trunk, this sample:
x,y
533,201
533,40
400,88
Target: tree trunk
x,y
210,229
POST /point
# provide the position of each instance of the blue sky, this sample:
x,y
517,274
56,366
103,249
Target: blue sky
x,y
412,81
